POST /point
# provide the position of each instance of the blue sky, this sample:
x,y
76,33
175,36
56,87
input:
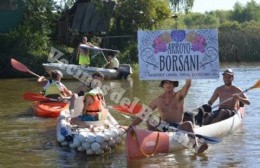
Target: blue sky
x,y
209,5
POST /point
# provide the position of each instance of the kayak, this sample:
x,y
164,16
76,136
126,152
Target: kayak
x,y
100,137
143,143
49,109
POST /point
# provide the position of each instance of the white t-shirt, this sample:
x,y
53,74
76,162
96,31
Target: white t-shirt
x,y
115,62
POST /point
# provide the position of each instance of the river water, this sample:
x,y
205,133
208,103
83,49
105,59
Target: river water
x,y
30,141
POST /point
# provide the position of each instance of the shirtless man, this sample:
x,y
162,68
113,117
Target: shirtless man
x,y
171,109
224,92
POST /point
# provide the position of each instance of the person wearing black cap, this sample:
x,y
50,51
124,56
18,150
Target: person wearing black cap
x,y
224,92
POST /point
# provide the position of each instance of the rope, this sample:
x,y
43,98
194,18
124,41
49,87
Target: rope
x,y
134,135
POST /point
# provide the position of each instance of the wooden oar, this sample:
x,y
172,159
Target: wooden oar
x,y
21,67
256,85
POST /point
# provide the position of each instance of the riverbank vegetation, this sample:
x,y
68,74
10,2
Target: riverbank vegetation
x,y
31,41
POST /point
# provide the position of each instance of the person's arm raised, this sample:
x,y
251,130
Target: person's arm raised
x,y
185,88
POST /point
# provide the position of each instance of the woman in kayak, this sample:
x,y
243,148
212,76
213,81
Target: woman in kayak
x,y
54,88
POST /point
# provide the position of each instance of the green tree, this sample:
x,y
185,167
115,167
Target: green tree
x,y
198,20
250,12
181,5
132,15
30,41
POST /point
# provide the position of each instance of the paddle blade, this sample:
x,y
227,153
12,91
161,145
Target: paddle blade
x,y
34,97
257,85
209,140
19,66
131,109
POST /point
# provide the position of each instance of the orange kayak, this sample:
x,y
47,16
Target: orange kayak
x,y
49,108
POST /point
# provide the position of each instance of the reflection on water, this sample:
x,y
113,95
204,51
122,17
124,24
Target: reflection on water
x,y
29,141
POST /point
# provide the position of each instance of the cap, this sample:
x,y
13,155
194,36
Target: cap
x,y
59,73
55,73
98,74
175,83
228,72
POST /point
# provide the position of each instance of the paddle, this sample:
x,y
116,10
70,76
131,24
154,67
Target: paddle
x,y
130,109
21,67
39,97
168,128
36,97
256,85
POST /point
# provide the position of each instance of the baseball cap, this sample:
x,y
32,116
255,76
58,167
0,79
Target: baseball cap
x,y
228,72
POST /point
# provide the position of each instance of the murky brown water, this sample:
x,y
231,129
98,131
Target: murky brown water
x,y
29,141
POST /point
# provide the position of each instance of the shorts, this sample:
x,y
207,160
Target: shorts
x,y
87,117
164,126
229,111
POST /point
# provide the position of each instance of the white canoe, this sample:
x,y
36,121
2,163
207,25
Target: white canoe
x,y
143,143
71,71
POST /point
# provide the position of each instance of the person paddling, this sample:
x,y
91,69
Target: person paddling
x,y
54,88
224,92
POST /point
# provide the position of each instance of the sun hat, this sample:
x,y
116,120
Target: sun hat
x,y
175,83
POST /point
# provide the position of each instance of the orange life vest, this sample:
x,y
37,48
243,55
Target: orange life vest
x,y
96,105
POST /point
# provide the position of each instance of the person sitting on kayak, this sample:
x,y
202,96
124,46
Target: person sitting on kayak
x,y
171,109
224,92
94,103
53,88
97,79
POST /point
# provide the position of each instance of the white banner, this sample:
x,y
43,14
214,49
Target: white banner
x,y
178,54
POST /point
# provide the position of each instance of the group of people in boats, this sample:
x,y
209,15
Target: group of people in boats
x,y
84,58
93,95
170,103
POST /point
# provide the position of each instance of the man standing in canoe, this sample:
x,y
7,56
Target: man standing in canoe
x,y
83,52
171,109
224,92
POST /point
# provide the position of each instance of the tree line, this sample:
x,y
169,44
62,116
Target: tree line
x,y
30,42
